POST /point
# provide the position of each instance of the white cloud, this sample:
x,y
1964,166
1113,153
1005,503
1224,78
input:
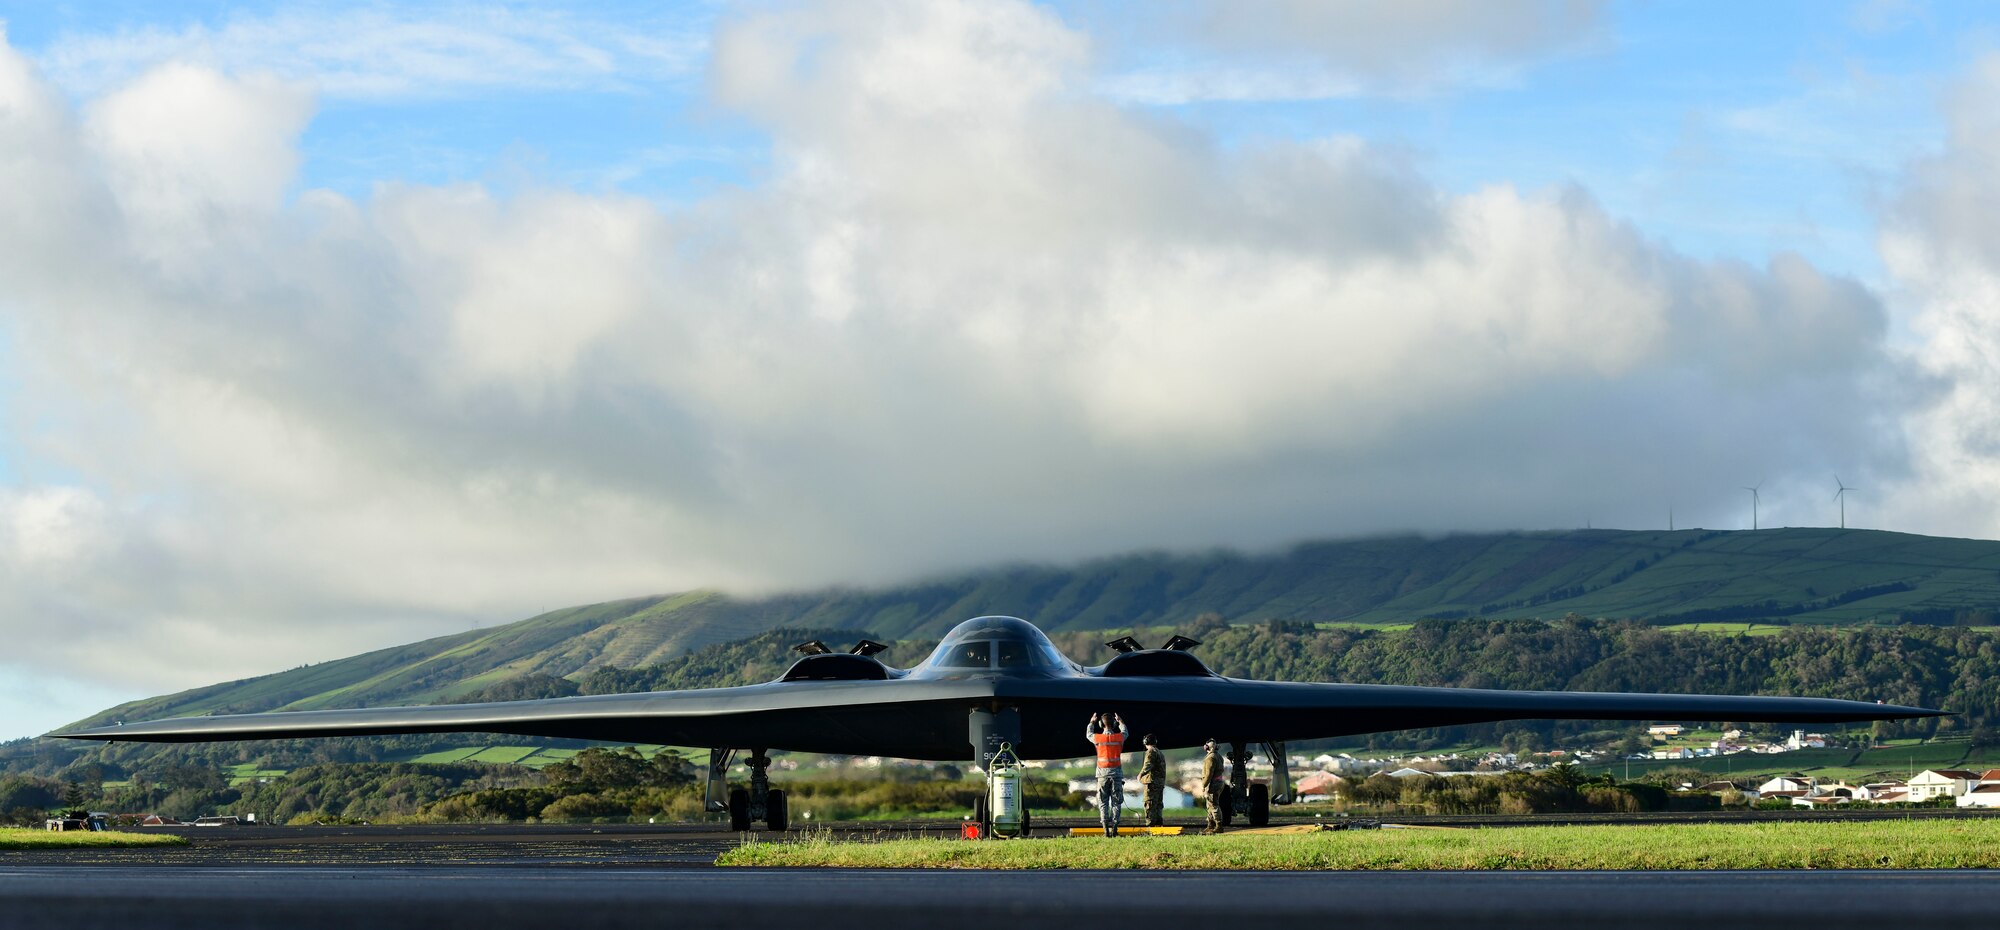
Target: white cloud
x,y
1941,243
373,52
1318,49
193,158
975,312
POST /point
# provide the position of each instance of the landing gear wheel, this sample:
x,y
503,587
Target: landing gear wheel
x,y
1227,802
776,817
982,817
1260,805
1026,823
739,809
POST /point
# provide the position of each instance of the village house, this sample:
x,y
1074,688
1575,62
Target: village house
x,y
1941,783
1983,793
1793,785
1338,764
1319,786
1718,787
1665,730
1891,792
1800,739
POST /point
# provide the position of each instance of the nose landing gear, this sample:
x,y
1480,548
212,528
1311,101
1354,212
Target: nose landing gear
x,y
1252,802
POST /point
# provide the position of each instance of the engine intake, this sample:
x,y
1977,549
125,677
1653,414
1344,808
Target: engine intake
x,y
1159,663
837,666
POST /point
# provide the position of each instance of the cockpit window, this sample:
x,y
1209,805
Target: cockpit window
x,y
997,643
968,655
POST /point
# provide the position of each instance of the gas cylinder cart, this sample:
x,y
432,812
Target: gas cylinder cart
x,y
1002,810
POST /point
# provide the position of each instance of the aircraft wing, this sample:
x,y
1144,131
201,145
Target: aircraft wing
x,y
1186,711
822,716
927,719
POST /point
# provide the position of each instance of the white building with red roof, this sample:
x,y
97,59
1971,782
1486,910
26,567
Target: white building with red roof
x,y
1941,783
1984,793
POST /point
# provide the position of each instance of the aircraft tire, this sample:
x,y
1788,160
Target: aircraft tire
x,y
983,817
1026,823
776,817
1260,805
1228,804
739,809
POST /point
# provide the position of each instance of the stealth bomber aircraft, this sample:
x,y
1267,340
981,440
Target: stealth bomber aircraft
x,y
994,681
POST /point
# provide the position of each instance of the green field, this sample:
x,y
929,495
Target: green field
x,y
21,838
245,773
531,756
505,755
448,755
1729,629
1901,844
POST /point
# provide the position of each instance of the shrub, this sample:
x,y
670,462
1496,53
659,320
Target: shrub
x,y
587,807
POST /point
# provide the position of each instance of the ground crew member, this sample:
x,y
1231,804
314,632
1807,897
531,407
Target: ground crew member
x,y
1214,779
1153,774
1110,745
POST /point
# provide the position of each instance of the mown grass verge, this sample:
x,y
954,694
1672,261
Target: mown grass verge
x,y
23,838
1906,844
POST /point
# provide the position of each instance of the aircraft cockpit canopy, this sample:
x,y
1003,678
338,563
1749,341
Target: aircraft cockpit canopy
x,y
996,644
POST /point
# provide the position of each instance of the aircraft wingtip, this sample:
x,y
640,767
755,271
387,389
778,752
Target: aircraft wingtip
x,y
86,733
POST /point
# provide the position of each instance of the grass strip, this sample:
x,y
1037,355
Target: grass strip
x,y
1902,844
25,838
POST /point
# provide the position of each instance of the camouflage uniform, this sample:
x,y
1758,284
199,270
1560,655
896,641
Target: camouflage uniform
x,y
1214,777
1153,774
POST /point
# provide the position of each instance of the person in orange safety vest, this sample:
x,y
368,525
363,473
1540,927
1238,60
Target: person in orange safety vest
x,y
1107,733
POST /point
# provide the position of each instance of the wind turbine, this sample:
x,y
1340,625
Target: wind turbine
x,y
1841,496
1753,503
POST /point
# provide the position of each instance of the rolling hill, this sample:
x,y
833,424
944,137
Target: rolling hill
x,y
1817,576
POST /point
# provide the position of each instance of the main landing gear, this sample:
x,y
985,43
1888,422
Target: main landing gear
x,y
1252,802
746,805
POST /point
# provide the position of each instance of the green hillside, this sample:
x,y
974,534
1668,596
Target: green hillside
x,y
1796,576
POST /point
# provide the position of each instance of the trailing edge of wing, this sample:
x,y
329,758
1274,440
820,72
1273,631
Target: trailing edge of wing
x,y
1183,711
1488,704
590,717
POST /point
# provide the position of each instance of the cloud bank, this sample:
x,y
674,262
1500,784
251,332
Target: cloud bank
x,y
977,310
1941,241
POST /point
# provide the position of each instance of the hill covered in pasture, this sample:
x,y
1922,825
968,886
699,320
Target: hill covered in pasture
x,y
1794,576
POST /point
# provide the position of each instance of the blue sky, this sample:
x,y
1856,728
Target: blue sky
x,y
329,327
1772,127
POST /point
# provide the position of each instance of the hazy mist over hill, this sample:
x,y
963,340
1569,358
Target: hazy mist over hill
x,y
1786,577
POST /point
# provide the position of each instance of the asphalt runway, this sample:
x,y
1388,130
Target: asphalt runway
x,y
494,877
488,897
